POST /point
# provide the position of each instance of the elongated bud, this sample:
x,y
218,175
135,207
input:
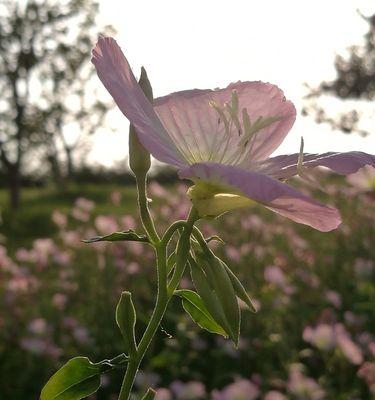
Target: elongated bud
x,y
150,394
126,319
139,157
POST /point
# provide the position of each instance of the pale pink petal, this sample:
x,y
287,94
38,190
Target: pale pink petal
x,y
275,195
195,126
282,167
114,71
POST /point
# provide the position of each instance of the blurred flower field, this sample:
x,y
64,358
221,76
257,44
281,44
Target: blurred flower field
x,y
312,338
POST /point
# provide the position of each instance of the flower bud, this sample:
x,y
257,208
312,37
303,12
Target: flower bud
x,y
139,157
126,319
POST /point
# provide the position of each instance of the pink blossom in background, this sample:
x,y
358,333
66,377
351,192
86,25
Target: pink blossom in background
x,y
303,387
192,390
106,224
128,222
367,373
84,204
59,300
59,219
364,179
37,326
80,215
274,275
274,395
323,336
242,389
224,138
334,298
163,394
116,197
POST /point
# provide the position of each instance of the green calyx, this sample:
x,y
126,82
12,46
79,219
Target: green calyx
x,y
212,200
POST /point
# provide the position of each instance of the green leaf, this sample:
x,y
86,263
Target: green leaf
x,y
194,306
208,296
126,320
128,235
77,379
239,289
214,238
150,394
223,288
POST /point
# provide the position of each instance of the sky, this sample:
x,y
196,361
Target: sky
x,y
207,44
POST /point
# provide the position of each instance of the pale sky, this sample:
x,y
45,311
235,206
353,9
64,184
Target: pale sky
x,y
208,44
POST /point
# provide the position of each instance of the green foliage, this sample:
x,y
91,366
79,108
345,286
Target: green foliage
x,y
59,307
150,395
77,379
209,297
128,235
195,307
241,292
217,277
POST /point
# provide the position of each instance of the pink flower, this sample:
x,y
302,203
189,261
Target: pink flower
x,y
188,391
274,395
163,394
323,336
242,389
84,204
303,387
367,372
222,139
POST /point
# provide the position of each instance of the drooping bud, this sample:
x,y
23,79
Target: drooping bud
x,y
126,319
139,157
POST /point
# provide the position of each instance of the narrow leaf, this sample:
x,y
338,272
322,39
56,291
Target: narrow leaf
x,y
223,289
208,296
77,379
198,312
239,289
128,235
150,395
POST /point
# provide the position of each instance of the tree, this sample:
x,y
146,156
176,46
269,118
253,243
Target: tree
x,y
45,46
354,85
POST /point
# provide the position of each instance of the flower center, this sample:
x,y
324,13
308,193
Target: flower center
x,y
239,128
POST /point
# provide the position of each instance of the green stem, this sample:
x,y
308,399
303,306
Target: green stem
x,y
147,222
163,296
182,252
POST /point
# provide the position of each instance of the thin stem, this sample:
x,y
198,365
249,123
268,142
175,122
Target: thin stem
x,y
147,222
182,252
163,296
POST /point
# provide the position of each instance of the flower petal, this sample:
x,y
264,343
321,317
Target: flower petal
x,y
275,195
283,167
197,131
114,71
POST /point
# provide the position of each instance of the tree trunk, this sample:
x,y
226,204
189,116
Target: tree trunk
x,y
70,165
14,186
56,174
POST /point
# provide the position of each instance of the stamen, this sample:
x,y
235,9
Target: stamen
x,y
222,116
234,117
301,172
235,102
246,121
260,123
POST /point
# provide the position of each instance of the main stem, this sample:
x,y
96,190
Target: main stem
x,y
164,292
